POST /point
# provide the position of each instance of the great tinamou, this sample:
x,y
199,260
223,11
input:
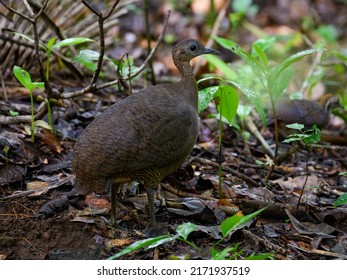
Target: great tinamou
x,y
302,111
144,137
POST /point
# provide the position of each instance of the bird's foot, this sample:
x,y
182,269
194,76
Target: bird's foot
x,y
156,230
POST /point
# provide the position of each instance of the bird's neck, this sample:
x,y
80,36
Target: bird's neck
x,y
188,86
185,69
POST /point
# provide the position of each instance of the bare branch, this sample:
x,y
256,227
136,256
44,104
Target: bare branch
x,y
111,10
17,13
139,70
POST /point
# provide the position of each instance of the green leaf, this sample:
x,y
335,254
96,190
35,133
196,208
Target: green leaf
x,y
72,41
13,113
297,126
42,46
227,101
23,77
263,44
43,124
253,98
264,256
328,32
342,199
241,5
185,229
141,244
257,67
86,55
258,52
51,43
205,96
278,86
237,220
40,85
222,66
276,72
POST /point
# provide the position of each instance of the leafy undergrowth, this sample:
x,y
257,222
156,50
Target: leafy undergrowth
x,y
191,195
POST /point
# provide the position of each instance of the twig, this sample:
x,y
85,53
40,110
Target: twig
x,y
64,181
229,170
41,111
101,19
16,12
3,84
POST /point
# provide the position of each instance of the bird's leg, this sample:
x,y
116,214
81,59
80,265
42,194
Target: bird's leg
x,y
114,192
150,196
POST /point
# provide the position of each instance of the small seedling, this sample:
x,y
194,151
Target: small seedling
x,y
25,79
308,136
226,99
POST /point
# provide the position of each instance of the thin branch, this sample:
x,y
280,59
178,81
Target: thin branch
x,y
17,13
30,10
229,170
3,84
111,10
101,20
41,111
139,70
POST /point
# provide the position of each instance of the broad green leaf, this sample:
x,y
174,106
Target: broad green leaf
x,y
23,77
237,220
227,101
205,96
222,66
341,200
140,244
185,229
72,41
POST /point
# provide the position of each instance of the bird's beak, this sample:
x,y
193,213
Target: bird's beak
x,y
210,51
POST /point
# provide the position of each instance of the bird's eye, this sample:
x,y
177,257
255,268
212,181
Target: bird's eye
x,y
193,48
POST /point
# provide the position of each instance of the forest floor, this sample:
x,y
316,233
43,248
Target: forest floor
x,y
32,175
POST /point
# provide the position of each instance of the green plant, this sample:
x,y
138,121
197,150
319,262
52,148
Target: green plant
x,y
264,80
49,48
227,100
183,231
308,136
25,79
